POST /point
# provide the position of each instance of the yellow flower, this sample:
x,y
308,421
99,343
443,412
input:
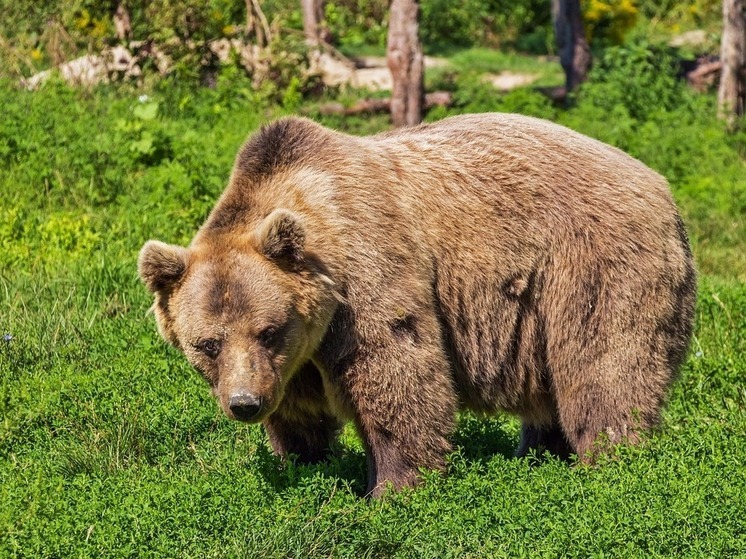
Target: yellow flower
x,y
83,20
100,28
610,18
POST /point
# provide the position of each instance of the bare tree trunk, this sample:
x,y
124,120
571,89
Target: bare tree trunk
x,y
406,62
313,20
575,54
122,22
732,92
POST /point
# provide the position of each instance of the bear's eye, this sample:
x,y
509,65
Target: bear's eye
x,y
268,336
211,348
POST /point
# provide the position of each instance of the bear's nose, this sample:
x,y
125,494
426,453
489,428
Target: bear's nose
x,y
245,406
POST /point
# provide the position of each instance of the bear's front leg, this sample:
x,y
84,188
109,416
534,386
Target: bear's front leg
x,y
405,410
302,425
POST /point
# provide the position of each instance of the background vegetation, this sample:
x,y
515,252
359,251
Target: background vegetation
x,y
36,34
111,446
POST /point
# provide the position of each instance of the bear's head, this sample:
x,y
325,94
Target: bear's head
x,y
247,310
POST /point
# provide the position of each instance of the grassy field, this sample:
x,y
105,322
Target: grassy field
x,y
110,446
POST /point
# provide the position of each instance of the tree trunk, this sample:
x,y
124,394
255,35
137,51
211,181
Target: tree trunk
x,y
313,20
575,54
122,22
732,92
406,62
256,23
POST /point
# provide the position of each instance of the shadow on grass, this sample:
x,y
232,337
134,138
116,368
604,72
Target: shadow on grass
x,y
343,464
477,440
481,438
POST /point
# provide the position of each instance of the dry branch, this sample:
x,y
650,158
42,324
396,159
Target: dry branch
x,y
705,75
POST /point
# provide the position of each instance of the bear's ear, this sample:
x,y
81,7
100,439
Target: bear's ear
x,y
161,265
281,236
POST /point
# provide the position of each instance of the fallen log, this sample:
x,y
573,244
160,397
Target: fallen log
x,y
435,99
705,75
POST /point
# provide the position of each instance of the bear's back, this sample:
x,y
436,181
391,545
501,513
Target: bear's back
x,y
514,182
541,157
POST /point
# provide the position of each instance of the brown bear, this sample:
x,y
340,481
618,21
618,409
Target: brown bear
x,y
485,262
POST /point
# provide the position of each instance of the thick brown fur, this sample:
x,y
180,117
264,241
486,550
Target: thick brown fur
x,y
490,262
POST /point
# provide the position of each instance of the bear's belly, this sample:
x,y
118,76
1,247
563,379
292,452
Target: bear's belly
x,y
497,347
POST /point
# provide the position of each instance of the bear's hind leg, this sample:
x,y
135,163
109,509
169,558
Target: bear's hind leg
x,y
595,417
536,439
612,391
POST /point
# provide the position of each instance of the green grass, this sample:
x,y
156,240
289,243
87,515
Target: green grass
x,y
111,446
482,60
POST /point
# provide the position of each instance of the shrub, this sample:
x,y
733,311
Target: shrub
x,y
608,21
354,23
637,79
526,23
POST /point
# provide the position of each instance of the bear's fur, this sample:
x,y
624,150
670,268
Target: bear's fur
x,y
488,262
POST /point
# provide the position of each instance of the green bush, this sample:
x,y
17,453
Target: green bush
x,y
681,14
637,79
608,21
525,24
354,23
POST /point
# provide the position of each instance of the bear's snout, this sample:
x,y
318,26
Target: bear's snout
x,y
245,407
